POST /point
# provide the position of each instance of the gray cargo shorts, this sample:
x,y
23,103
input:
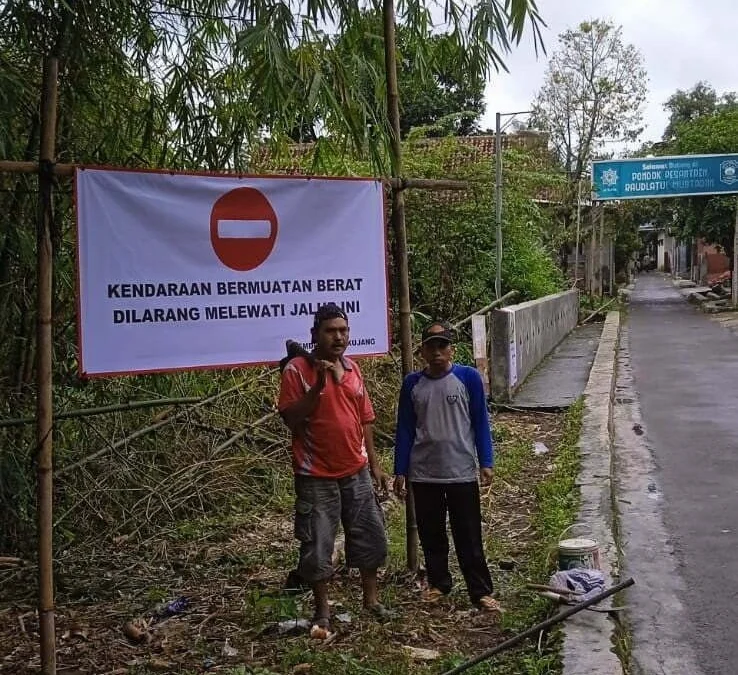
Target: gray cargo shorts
x,y
321,503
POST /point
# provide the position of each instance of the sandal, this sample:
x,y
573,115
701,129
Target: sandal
x,y
488,604
432,595
321,622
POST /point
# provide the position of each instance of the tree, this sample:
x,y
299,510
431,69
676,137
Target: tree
x,y
593,93
700,101
711,218
440,95
436,89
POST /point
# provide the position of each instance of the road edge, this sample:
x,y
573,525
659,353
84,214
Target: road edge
x,y
589,636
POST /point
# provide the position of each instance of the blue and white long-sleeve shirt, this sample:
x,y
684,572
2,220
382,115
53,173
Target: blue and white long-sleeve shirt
x,y
443,431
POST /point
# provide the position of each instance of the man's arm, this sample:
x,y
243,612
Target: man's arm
x,y
480,419
295,414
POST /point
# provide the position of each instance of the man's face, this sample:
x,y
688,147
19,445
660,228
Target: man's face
x,y
438,352
331,337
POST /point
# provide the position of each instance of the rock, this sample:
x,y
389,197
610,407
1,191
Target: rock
x,y
685,283
716,306
696,297
420,654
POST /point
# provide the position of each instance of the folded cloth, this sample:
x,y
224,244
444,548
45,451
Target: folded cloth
x,y
585,582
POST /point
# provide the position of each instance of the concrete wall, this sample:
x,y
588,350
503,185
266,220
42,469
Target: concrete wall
x,y
523,335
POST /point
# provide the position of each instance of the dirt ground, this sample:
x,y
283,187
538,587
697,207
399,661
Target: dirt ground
x,y
233,578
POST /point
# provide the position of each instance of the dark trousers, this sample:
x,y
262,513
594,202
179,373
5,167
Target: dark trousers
x,y
461,501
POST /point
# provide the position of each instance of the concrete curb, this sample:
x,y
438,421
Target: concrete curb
x,y
588,636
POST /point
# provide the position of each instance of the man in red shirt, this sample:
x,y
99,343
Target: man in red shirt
x,y
323,401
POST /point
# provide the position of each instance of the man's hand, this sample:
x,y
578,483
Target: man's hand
x,y
381,479
486,475
322,367
399,487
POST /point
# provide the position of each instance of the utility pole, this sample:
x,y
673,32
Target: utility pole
x,y
498,194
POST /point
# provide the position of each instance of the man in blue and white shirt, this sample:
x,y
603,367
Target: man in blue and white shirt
x,y
443,445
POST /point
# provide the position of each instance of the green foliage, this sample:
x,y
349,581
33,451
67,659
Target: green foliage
x,y
451,236
700,101
713,131
452,239
187,85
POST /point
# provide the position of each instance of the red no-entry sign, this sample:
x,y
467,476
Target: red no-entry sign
x,y
243,228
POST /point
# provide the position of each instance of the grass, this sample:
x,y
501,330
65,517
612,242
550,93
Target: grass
x,y
233,566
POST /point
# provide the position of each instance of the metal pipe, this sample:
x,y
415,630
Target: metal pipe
x,y
544,625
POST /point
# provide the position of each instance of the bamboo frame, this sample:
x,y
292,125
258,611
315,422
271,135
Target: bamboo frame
x,y
101,410
44,373
142,432
401,256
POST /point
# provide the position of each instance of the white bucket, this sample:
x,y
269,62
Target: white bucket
x,y
579,553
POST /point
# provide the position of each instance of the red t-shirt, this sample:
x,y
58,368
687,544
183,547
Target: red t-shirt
x,y
332,443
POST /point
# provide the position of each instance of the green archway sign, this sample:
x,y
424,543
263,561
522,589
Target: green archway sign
x,y
659,177
675,176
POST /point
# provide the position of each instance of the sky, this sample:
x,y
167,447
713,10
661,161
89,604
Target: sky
x,y
682,42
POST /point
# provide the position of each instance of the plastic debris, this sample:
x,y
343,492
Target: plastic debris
x,y
540,448
172,607
293,626
320,633
228,650
343,618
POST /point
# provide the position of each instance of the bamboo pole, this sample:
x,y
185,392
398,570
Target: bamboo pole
x,y
396,182
484,310
144,431
44,351
101,410
401,260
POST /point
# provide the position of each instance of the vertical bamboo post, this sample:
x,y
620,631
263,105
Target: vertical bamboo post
x,y
44,370
400,232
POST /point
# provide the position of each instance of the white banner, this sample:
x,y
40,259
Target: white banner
x,y
181,271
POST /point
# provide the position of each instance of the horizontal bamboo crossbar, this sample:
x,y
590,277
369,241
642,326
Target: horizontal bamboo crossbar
x,y
121,407
66,170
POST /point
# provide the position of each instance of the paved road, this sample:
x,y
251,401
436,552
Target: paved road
x,y
685,374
